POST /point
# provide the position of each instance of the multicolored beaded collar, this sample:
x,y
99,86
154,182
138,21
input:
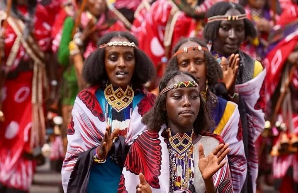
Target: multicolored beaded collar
x,y
189,49
226,18
116,43
184,84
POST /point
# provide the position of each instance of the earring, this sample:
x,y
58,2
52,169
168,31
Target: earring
x,y
204,93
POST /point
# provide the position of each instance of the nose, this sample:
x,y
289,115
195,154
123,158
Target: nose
x,y
192,69
232,34
121,63
186,101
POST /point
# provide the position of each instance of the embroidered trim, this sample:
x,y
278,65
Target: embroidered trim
x,y
184,84
186,50
226,18
115,43
118,99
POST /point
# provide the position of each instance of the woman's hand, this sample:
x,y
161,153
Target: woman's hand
x,y
88,30
107,142
143,187
230,69
210,164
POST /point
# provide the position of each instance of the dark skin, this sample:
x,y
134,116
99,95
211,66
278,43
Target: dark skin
x,y
182,107
119,63
193,62
119,66
231,35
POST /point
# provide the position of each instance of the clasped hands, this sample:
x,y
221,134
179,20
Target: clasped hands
x,y
208,166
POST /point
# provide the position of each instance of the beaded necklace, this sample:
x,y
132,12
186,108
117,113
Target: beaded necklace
x,y
181,157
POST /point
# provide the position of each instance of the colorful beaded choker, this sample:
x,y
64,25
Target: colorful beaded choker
x,y
190,49
183,84
226,18
116,43
181,157
118,99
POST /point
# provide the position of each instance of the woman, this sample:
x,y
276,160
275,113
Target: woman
x,y
106,116
226,29
95,21
198,61
171,153
163,27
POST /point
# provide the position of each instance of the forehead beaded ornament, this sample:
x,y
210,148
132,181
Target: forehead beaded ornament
x,y
186,50
183,84
118,43
226,18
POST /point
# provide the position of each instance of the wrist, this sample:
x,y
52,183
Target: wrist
x,y
97,158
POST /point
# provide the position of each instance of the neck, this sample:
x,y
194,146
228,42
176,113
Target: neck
x,y
181,130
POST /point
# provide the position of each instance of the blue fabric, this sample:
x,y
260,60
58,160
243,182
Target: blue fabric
x,y
104,178
218,111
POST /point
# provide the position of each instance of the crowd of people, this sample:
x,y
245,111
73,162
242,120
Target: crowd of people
x,y
150,95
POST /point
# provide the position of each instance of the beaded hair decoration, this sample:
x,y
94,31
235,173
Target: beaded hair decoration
x,y
184,84
226,18
186,50
116,43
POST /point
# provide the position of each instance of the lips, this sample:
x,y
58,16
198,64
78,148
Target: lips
x,y
121,73
186,112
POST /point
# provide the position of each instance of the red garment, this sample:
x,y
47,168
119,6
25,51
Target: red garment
x,y
15,131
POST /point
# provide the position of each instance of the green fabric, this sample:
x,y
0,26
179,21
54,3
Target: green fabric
x,y
70,88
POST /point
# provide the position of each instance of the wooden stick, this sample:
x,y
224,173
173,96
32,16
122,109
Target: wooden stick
x,y
78,18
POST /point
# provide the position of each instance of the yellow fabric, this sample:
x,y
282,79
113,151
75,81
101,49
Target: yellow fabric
x,y
257,68
229,109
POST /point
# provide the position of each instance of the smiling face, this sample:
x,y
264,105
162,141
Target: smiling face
x,y
193,62
119,63
182,105
231,35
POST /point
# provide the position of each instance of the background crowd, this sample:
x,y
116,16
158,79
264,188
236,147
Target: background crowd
x,y
61,96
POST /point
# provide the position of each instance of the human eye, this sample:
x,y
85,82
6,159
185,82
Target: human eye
x,y
240,29
113,57
184,63
129,57
199,61
176,96
195,95
225,28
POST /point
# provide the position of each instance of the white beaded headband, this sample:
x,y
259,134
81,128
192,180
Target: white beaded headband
x,y
115,43
185,49
226,18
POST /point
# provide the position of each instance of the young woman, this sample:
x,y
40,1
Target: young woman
x,y
174,154
106,116
226,29
191,55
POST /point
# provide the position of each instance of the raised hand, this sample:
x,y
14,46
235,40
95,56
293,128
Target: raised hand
x,y
230,69
210,164
143,187
107,142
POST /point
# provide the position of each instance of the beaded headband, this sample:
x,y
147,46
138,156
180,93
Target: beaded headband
x,y
226,18
189,49
184,84
115,43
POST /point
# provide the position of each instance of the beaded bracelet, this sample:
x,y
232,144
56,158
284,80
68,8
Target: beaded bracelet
x,y
97,159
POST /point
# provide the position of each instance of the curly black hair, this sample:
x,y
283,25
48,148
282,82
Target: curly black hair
x,y
94,72
213,69
211,29
157,115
